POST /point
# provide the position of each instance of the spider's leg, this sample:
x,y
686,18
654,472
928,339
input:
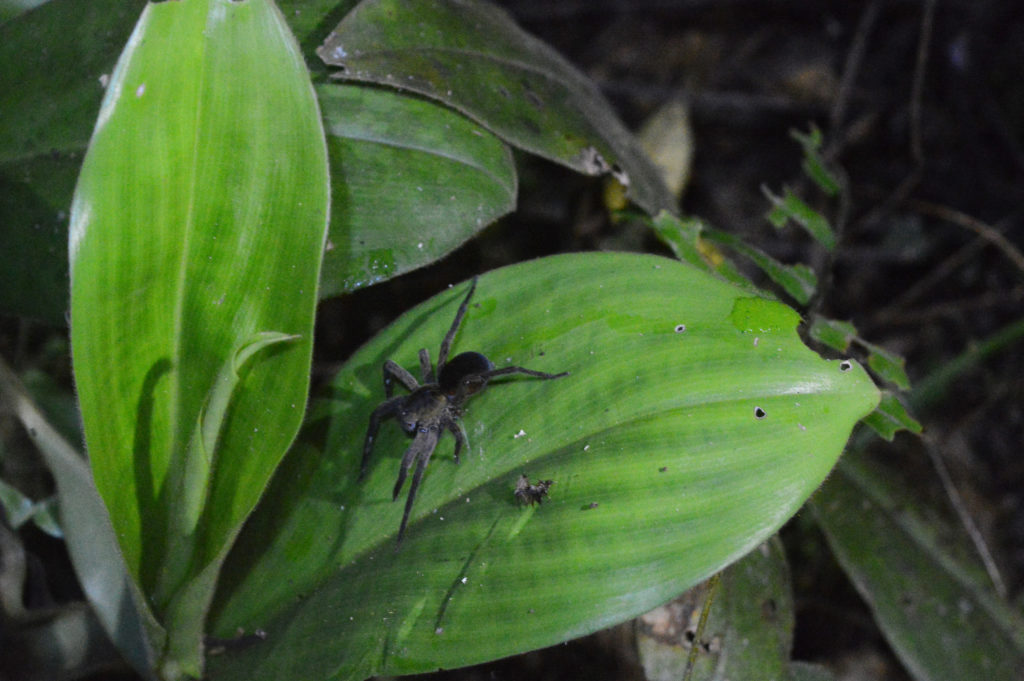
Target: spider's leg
x,y
422,446
521,370
446,344
383,411
426,371
456,429
393,370
423,452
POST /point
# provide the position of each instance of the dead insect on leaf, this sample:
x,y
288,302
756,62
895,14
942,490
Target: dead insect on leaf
x,y
528,494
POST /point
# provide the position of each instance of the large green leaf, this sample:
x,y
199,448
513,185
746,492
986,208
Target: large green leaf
x,y
475,59
411,180
52,62
91,543
931,598
693,424
748,633
196,237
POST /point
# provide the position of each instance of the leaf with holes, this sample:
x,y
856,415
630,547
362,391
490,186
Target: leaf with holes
x,y
472,57
693,423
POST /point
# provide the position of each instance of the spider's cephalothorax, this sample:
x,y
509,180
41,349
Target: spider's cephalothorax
x,y
435,406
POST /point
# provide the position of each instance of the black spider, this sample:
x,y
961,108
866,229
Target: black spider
x,y
435,406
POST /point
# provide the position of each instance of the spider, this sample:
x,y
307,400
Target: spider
x,y
435,406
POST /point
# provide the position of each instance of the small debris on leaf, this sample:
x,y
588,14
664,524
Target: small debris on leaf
x,y
529,494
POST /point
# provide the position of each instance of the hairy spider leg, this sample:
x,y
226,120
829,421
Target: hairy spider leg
x,y
446,344
477,382
393,370
384,410
520,370
459,433
426,371
422,447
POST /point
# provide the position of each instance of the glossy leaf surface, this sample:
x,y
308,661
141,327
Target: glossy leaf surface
x,y
693,424
475,59
196,237
411,181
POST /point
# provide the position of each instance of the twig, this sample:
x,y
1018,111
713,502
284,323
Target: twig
x,y
851,67
965,517
985,231
946,309
922,286
927,21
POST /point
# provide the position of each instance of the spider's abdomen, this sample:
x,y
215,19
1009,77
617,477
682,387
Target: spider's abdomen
x,y
460,367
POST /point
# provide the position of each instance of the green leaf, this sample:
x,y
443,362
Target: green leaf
x,y
197,228
749,631
890,417
88,534
683,237
210,424
796,280
692,425
838,335
813,164
938,384
792,207
12,8
923,597
475,59
52,59
890,366
833,333
411,181
20,509
311,20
